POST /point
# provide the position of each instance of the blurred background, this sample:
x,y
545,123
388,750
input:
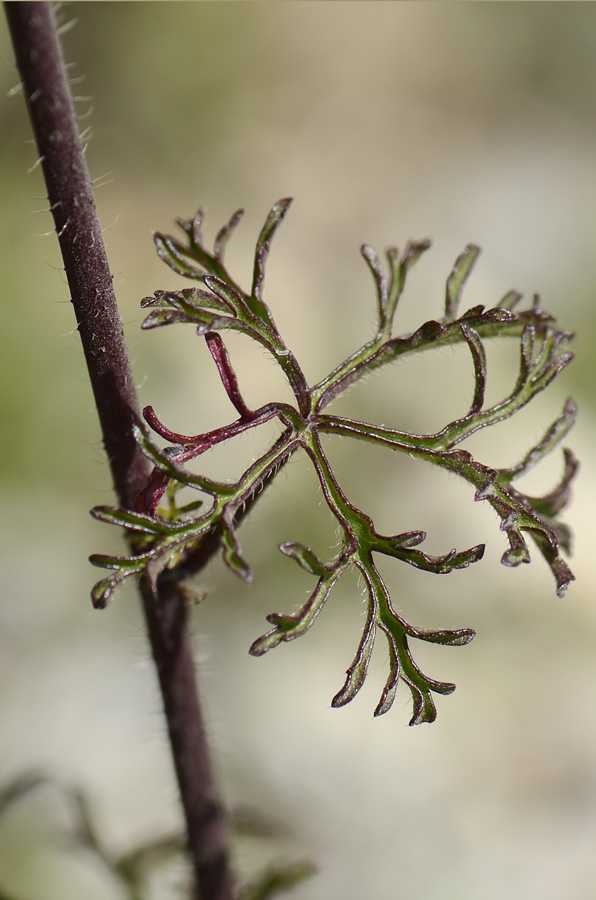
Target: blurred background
x,y
385,121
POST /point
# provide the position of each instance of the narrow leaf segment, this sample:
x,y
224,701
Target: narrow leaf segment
x,y
166,537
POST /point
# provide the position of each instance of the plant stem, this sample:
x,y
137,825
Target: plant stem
x,y
51,108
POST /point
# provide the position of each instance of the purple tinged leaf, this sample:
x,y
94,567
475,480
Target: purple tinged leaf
x,y
427,332
552,368
133,521
399,269
218,323
479,359
392,254
194,306
518,552
500,316
274,220
196,227
168,465
128,564
221,358
305,558
174,437
547,543
231,554
266,642
147,500
415,677
420,685
196,249
357,671
474,312
187,300
392,683
459,275
224,305
102,592
103,561
237,564
192,227
562,337
518,514
563,535
526,356
478,315
552,503
288,628
425,711
173,254
159,317
413,252
380,279
194,299
457,638
403,666
556,433
563,576
159,299
229,295
488,491
407,539
190,446
439,565
224,234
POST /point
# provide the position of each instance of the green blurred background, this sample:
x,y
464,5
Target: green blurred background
x,y
385,121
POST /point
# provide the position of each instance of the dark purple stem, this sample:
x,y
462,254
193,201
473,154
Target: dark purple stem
x,y
49,100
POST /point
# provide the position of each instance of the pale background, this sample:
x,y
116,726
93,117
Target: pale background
x,y
385,121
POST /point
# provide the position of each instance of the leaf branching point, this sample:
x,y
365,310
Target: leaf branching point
x,y
166,536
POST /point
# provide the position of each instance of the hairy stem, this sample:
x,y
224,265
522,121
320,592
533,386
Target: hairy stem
x,y
49,100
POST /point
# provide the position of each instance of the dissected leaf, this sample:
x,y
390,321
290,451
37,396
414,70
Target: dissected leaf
x,y
457,279
288,628
224,234
103,590
479,357
357,671
304,557
158,317
381,284
274,220
170,252
164,545
232,556
132,520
